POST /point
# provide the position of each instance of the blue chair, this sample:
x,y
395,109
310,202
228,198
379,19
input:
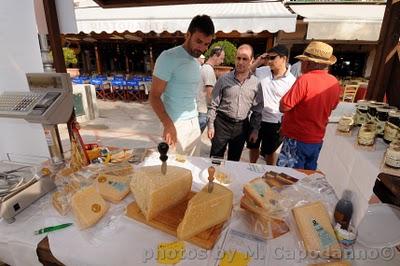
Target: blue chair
x,y
132,91
118,87
103,90
77,80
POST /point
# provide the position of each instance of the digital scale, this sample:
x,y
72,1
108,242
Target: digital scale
x,y
49,102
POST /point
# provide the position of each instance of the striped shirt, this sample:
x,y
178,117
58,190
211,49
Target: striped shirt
x,y
236,100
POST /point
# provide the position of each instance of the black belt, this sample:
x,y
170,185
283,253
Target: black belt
x,y
229,119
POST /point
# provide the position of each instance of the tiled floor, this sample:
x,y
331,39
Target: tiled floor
x,y
128,125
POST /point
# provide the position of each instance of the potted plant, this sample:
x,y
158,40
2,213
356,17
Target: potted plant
x,y
70,61
230,54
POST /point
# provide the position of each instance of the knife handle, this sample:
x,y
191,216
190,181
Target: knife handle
x,y
163,149
211,172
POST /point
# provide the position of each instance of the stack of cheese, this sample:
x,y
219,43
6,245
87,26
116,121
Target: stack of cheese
x,y
205,210
262,202
316,230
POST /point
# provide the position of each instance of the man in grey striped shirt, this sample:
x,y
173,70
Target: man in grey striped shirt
x,y
235,94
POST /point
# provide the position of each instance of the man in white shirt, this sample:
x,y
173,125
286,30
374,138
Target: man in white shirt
x,y
208,80
275,80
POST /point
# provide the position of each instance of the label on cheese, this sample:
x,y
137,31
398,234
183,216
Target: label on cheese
x,y
170,253
235,258
325,239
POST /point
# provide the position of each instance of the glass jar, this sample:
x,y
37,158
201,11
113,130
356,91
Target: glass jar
x,y
361,112
382,115
366,134
392,126
345,123
392,156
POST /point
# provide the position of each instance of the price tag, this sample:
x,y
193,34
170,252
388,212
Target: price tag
x,y
170,253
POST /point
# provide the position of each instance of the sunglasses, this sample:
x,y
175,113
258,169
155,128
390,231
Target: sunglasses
x,y
271,57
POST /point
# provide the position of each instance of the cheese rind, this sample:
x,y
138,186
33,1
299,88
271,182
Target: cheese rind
x,y
113,188
205,210
155,192
88,207
316,229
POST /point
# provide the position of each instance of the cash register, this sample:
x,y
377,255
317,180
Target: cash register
x,y
49,102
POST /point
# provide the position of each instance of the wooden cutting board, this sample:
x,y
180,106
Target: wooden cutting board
x,y
168,222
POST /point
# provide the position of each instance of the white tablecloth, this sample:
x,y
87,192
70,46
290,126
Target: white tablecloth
x,y
348,167
118,240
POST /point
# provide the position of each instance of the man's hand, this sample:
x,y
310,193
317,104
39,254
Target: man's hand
x,y
169,134
253,137
210,133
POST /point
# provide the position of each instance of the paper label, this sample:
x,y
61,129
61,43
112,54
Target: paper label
x,y
235,258
325,238
170,253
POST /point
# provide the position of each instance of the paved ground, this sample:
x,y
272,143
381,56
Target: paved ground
x,y
128,125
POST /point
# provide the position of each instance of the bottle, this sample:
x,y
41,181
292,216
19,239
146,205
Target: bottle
x,y
344,210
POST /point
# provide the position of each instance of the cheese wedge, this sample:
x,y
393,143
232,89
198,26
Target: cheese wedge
x,y
155,192
88,207
113,188
205,210
316,230
262,194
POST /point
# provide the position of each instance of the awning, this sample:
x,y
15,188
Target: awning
x,y
242,17
341,21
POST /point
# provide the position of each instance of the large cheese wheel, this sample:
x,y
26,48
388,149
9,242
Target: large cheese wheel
x,y
155,192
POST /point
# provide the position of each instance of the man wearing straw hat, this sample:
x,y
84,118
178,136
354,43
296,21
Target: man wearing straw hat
x,y
307,106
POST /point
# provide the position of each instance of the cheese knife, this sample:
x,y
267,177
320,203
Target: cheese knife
x,y
163,149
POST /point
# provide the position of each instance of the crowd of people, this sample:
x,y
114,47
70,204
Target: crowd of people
x,y
262,103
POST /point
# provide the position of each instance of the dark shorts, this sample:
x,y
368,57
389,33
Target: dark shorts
x,y
268,137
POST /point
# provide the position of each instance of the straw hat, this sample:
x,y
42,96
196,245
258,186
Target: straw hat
x,y
318,52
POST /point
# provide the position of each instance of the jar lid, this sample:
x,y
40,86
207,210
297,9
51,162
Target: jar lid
x,y
384,109
394,113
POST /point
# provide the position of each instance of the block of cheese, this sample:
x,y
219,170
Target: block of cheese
x,y
205,210
316,229
113,188
262,221
155,192
88,207
262,194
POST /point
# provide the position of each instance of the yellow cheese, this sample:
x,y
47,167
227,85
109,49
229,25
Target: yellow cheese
x,y
155,192
113,188
88,207
205,210
316,230
262,194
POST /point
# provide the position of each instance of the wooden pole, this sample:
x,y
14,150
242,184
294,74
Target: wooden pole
x,y
385,73
98,64
54,35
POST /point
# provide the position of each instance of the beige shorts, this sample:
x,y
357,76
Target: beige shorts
x,y
188,135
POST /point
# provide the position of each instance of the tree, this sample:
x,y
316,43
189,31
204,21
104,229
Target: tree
x,y
229,49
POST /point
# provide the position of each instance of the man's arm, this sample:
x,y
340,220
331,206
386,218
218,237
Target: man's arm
x,y
212,110
209,90
258,62
157,89
256,114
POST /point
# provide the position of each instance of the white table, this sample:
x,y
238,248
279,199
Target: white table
x,y
118,240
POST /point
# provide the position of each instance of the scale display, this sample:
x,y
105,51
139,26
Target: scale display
x,y
49,100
